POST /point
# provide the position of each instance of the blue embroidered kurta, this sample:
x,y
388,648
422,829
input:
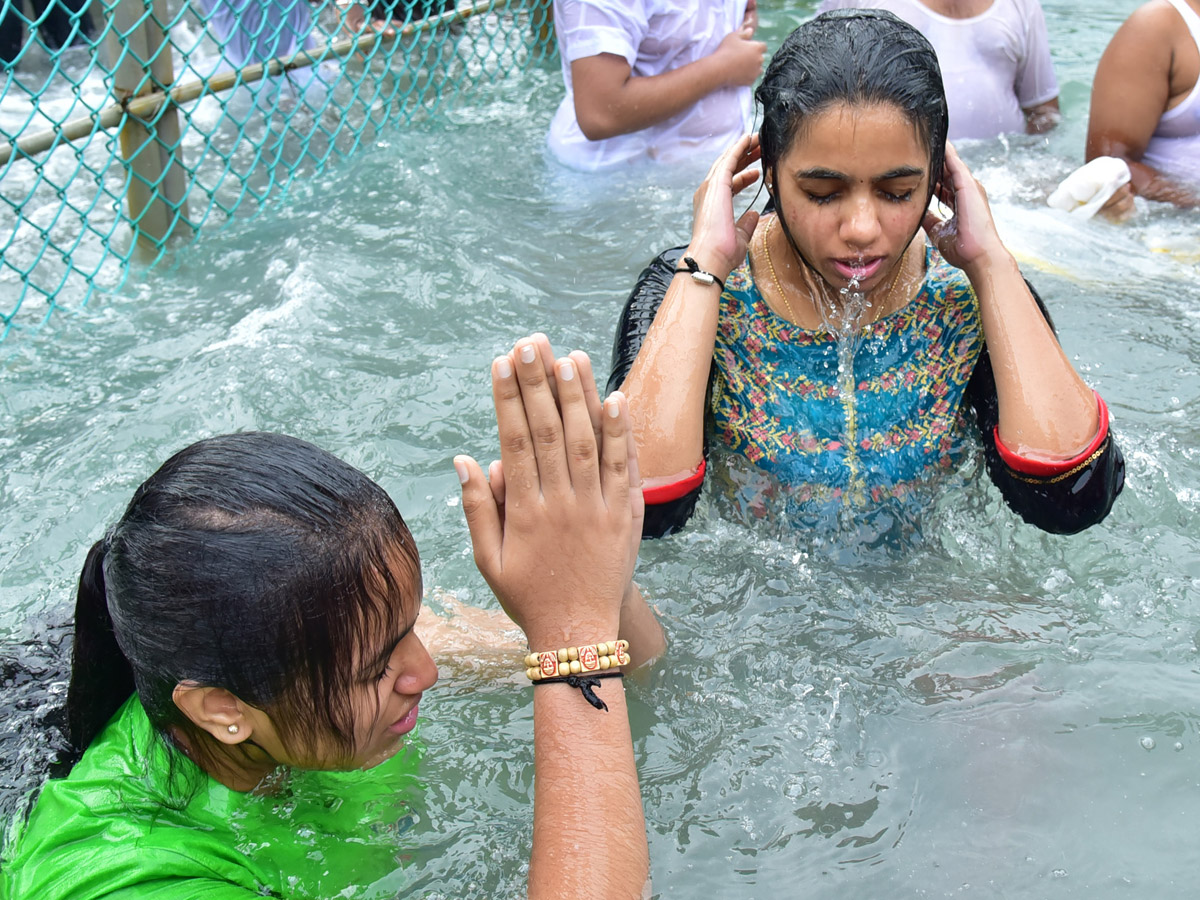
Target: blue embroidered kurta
x,y
778,399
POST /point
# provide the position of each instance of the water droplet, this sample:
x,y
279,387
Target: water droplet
x,y
1178,746
1147,743
1059,873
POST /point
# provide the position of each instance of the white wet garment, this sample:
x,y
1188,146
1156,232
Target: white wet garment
x,y
253,31
994,65
1088,188
1174,148
653,36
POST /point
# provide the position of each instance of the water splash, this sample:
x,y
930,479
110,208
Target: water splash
x,y
843,318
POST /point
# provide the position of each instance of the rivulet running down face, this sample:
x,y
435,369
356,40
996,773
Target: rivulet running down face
x,y
852,189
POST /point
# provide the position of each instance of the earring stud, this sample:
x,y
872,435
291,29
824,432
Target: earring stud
x,y
232,729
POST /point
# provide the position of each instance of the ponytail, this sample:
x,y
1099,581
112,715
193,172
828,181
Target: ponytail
x,y
101,677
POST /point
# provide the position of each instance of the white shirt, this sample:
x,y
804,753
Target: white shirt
x,y
253,31
994,65
653,36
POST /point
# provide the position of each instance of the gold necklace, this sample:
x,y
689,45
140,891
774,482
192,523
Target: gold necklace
x,y
771,266
779,287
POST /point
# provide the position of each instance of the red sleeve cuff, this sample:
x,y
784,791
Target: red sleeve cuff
x,y
1038,467
665,493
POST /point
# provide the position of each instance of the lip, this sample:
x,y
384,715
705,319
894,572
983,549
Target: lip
x,y
407,723
858,269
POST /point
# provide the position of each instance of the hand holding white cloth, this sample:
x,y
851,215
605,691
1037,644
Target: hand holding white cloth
x,y
1089,187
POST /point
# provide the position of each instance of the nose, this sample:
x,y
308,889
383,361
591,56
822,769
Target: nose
x,y
419,672
860,227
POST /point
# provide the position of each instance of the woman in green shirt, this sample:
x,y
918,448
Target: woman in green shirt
x,y
249,621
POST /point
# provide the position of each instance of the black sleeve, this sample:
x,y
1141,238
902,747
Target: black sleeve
x,y
1060,504
635,321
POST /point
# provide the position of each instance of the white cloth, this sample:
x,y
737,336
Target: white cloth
x,y
1088,188
994,65
653,36
1174,148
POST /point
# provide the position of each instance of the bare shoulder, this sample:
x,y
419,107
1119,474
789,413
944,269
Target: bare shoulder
x,y
1137,49
1155,20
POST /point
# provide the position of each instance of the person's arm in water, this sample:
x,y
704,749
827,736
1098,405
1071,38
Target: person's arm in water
x,y
667,384
559,551
470,639
1135,82
1047,413
1035,73
610,100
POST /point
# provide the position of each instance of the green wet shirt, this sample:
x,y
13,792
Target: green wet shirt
x,y
119,826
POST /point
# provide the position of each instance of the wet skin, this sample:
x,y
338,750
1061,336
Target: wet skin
x,y
391,678
851,190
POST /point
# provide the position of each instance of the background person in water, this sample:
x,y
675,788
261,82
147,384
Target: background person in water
x,y
257,600
847,334
1146,101
653,81
995,61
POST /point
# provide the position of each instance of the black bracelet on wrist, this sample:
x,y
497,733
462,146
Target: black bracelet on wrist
x,y
691,267
585,685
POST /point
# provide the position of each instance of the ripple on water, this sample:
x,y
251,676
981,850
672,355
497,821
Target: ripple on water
x,y
895,707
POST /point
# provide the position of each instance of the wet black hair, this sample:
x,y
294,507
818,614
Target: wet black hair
x,y
254,562
854,56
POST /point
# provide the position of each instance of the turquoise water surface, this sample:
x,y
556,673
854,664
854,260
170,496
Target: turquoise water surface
x,y
968,708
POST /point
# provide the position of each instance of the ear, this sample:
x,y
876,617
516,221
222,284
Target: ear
x,y
215,710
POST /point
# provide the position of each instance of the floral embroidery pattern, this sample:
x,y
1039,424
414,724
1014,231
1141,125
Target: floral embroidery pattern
x,y
776,399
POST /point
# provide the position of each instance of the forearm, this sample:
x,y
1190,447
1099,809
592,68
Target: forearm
x,y
1145,180
640,626
589,832
639,102
669,379
1148,182
1046,411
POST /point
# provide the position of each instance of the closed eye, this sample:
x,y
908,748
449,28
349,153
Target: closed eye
x,y
897,198
821,199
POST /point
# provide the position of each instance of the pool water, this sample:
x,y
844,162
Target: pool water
x,y
966,708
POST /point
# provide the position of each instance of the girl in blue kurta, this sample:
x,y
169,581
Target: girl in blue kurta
x,y
757,334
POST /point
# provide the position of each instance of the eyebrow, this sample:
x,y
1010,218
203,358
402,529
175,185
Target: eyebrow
x,y
822,174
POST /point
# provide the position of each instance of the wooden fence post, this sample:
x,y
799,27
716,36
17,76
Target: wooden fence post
x,y
545,26
157,180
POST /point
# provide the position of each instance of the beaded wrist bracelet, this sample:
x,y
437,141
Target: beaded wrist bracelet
x,y
576,660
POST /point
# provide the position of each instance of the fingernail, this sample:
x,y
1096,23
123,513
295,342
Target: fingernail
x,y
528,353
503,367
613,407
566,370
460,469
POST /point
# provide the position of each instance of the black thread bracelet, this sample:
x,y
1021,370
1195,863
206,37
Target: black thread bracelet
x,y
691,267
585,684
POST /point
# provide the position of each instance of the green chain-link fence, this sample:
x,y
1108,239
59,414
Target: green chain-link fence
x,y
128,125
